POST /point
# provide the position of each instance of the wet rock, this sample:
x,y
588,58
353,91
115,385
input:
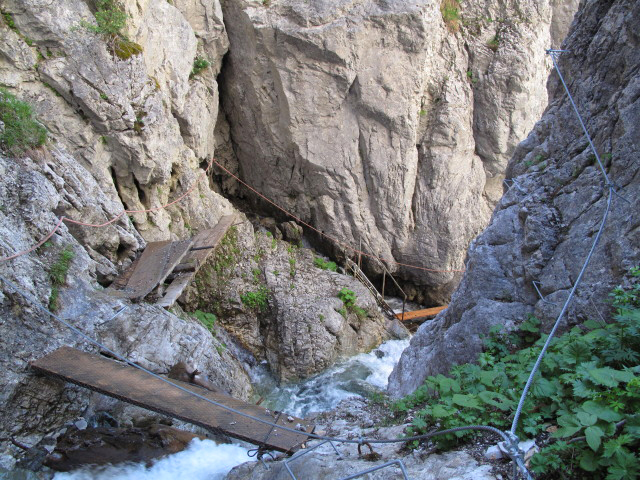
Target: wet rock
x,y
101,446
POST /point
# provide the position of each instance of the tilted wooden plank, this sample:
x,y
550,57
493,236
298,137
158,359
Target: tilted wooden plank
x,y
139,388
176,288
195,259
427,312
155,264
209,238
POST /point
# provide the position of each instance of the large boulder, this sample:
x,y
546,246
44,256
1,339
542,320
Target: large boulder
x,y
544,227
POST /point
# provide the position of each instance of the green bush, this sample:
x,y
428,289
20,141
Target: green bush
x,y
349,299
256,300
199,64
21,130
325,264
58,275
450,10
206,318
587,393
110,19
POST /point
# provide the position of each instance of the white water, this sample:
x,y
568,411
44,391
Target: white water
x,y
202,460
206,460
357,376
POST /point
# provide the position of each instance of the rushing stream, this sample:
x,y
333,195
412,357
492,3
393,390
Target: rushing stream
x,y
358,375
206,460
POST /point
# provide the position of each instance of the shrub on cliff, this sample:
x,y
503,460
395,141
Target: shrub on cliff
x,y
21,129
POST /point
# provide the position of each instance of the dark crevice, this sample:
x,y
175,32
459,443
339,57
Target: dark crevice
x,y
141,195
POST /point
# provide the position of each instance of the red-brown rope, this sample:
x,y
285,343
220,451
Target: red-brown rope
x,y
330,237
109,222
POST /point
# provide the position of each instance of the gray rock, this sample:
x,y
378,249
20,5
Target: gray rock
x,y
544,226
375,122
297,326
32,190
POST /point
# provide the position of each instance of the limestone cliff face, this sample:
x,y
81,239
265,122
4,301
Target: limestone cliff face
x,y
140,125
544,226
376,121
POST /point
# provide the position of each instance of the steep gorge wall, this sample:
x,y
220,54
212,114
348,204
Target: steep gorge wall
x,y
376,121
544,226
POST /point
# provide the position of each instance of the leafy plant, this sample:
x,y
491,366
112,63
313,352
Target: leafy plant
x,y
450,10
8,19
21,130
206,318
323,264
349,299
58,275
110,19
256,300
199,64
587,393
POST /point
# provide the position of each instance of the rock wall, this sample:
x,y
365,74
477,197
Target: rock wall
x,y
284,309
378,121
140,123
544,226
32,192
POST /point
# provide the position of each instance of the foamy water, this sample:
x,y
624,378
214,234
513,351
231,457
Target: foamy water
x,y
201,460
357,376
206,460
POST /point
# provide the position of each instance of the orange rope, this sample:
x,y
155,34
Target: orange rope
x,y
334,239
95,225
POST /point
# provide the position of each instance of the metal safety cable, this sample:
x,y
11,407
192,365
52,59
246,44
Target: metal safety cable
x,y
536,366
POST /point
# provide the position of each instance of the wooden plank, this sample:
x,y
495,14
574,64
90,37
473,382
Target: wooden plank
x,y
195,259
427,312
122,279
176,288
139,388
155,264
209,238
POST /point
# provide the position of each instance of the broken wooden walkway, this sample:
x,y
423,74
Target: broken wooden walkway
x,y
134,386
179,261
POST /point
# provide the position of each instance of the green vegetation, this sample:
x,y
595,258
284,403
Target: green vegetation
x,y
21,130
349,299
207,319
138,124
471,77
256,300
323,264
125,49
8,19
494,43
292,267
110,21
450,10
58,275
587,394
199,64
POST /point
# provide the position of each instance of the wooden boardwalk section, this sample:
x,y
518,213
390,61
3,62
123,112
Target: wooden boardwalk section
x,y
131,385
178,261
419,314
